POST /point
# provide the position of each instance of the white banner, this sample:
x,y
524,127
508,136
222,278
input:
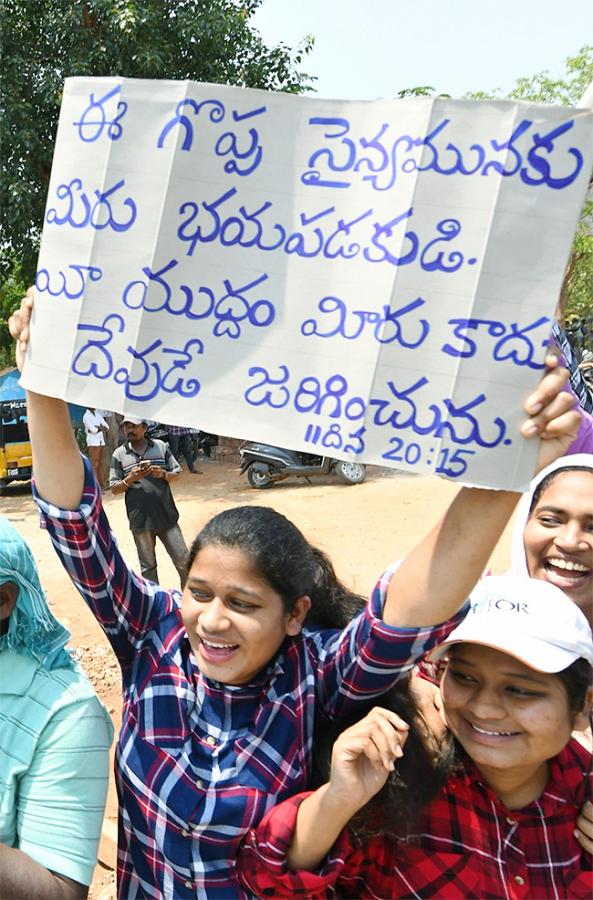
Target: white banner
x,y
366,280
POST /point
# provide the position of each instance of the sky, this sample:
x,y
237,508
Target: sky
x,y
366,49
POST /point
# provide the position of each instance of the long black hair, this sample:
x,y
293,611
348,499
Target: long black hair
x,y
419,774
285,559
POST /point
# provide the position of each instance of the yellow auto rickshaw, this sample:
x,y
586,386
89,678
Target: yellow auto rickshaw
x,y
15,446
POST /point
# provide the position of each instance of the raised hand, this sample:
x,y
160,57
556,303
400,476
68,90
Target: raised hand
x,y
364,755
552,416
584,829
19,325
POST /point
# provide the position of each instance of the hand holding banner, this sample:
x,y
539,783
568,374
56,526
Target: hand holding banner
x,y
366,280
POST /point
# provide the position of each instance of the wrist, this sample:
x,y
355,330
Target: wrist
x,y
337,803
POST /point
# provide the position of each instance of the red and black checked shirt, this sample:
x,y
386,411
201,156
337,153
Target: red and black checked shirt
x,y
467,845
198,763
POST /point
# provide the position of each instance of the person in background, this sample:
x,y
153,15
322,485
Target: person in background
x,y
180,439
553,531
95,428
54,743
142,469
579,386
516,681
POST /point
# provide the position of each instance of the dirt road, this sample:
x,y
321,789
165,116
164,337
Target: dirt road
x,y
363,528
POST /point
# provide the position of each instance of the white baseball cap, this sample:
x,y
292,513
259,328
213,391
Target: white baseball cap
x,y
532,620
133,420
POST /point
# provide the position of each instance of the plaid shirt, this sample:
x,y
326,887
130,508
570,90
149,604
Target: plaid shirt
x,y
199,763
467,845
578,384
181,430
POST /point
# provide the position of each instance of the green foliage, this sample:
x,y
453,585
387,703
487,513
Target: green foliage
x,y
44,41
579,277
422,90
543,88
12,289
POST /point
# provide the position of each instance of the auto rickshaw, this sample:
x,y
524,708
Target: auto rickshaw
x,y
15,446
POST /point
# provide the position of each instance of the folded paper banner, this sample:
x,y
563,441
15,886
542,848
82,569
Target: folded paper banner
x,y
373,281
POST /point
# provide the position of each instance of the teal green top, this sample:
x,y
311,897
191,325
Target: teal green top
x,y
54,764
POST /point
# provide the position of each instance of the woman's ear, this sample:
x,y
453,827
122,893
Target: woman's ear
x,y
296,617
582,719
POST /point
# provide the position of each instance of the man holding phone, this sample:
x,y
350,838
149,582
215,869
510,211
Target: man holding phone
x,y
142,469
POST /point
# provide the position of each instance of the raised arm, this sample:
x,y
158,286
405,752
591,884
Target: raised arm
x,y
124,604
438,575
302,846
362,758
56,458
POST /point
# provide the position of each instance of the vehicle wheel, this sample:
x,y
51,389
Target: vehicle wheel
x,y
259,477
3,483
351,472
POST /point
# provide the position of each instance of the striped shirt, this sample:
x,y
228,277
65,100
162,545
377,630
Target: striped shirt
x,y
54,765
579,386
468,844
200,762
149,502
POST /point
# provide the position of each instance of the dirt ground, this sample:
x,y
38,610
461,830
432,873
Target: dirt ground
x,y
363,528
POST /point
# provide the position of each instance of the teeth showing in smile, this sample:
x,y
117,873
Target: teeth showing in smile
x,y
568,564
493,733
218,646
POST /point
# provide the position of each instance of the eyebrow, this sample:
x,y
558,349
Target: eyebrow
x,y
561,511
536,678
235,588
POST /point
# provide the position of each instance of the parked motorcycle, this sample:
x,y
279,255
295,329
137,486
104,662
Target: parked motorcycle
x,y
266,464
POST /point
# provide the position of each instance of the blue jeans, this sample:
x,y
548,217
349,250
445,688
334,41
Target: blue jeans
x,y
172,541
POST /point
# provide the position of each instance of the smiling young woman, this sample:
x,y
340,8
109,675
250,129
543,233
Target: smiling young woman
x,y
235,620
502,798
553,532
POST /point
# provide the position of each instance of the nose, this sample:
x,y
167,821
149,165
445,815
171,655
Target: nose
x,y
214,618
486,704
571,537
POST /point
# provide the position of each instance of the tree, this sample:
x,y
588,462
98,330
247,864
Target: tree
x,y
565,90
577,290
44,41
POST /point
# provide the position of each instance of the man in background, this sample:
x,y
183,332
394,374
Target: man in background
x,y
181,440
142,469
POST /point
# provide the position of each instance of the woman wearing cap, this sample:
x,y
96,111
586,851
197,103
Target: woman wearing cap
x,y
516,681
553,531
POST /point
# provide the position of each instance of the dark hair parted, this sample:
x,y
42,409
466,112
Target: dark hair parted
x,y
418,776
547,481
285,559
